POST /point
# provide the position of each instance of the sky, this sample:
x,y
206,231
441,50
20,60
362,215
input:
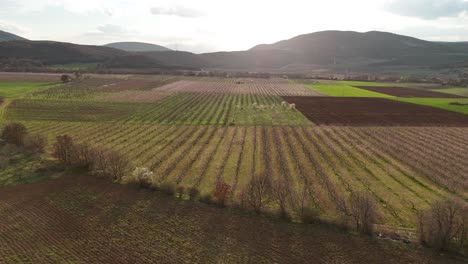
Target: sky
x,y
218,25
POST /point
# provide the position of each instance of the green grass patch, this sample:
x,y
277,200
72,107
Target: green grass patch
x,y
18,89
456,91
358,83
346,91
443,103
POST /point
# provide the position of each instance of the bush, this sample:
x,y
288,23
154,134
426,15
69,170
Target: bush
x,y
362,209
14,133
281,195
63,149
180,192
444,226
167,188
35,143
143,176
309,215
257,193
83,156
207,198
221,192
111,164
193,193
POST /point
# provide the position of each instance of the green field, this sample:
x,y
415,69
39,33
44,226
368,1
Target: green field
x,y
346,91
17,89
443,103
456,91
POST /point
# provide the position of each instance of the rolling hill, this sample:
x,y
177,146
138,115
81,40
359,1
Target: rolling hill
x,y
136,46
329,50
5,36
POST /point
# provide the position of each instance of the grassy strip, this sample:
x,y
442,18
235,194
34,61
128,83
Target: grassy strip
x,y
443,103
346,91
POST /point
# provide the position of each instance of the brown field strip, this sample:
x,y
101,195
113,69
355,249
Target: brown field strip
x,y
352,111
84,219
408,92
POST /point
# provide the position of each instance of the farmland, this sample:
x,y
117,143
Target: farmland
x,y
345,91
326,142
408,92
75,216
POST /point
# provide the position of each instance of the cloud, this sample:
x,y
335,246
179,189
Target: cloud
x,y
427,9
114,30
180,11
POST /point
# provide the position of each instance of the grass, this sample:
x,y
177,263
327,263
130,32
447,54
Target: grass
x,y
346,91
456,91
443,103
18,89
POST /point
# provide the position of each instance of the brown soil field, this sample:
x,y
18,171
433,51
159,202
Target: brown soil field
x,y
408,92
348,111
84,219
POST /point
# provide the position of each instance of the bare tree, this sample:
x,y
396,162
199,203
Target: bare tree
x,y
362,209
444,226
63,149
14,133
35,143
281,195
258,192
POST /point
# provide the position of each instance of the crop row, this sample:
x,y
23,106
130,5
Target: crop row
x,y
182,108
327,163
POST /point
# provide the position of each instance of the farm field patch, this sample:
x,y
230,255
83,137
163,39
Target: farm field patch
x,y
373,112
455,91
330,162
408,92
456,105
138,226
15,89
240,87
180,108
345,91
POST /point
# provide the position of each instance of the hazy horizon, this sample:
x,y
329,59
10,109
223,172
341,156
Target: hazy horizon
x,y
208,25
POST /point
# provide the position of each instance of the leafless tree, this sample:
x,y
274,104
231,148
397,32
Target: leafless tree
x,y
258,192
363,212
14,133
444,226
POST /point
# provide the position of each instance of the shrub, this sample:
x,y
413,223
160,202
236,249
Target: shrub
x,y
35,143
14,133
167,188
281,195
444,226
362,209
63,149
110,163
221,192
83,156
65,78
143,176
309,215
257,193
207,198
180,192
193,193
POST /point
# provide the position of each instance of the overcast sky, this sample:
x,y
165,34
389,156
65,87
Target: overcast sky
x,y
214,25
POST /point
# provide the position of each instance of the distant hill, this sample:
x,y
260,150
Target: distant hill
x,y
137,46
5,36
327,50
370,48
